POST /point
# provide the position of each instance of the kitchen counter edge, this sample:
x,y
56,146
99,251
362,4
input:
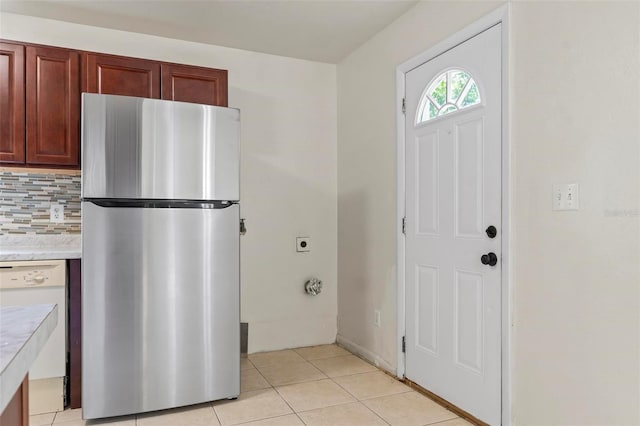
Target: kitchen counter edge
x,y
24,330
39,254
40,247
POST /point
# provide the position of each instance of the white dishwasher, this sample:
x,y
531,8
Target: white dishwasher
x,y
35,282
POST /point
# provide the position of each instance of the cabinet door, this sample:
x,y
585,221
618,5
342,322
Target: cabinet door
x,y
194,84
16,413
117,75
11,103
74,268
53,106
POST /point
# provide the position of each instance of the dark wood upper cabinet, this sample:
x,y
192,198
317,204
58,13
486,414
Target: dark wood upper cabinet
x,y
194,84
53,106
12,103
118,75
40,103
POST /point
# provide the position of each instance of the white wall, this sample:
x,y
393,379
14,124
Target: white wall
x,y
576,275
288,178
576,118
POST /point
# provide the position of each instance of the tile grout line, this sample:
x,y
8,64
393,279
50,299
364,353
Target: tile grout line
x,y
266,418
294,383
212,409
327,406
375,396
308,360
304,361
326,357
261,375
359,401
270,386
444,421
250,362
301,419
287,402
287,365
353,402
274,417
352,374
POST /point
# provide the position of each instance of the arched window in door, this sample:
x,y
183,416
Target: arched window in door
x,y
449,92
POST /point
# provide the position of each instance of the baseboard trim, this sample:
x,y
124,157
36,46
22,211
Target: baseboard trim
x,y
446,404
365,353
46,395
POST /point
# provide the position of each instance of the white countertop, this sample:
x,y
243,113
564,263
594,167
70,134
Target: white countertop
x,y
24,330
40,247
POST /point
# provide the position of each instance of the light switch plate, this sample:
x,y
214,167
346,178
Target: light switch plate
x,y
571,196
565,196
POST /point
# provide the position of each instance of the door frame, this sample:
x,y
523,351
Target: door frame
x,y
498,16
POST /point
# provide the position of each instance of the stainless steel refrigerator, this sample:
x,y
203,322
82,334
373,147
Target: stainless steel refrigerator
x,y
160,254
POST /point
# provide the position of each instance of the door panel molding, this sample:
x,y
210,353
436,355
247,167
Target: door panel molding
x,y
427,184
472,226
498,16
427,340
461,354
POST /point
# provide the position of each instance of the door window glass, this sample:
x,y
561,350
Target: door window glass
x,y
450,91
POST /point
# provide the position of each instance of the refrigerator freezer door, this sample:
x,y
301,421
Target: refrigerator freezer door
x,y
161,308
155,149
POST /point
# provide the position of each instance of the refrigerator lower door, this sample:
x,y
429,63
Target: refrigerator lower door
x,y
160,308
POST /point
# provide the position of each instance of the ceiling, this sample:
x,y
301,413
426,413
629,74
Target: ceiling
x,y
317,30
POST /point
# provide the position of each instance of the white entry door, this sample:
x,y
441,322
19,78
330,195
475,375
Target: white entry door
x,y
453,198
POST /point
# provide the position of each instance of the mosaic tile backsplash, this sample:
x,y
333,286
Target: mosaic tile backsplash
x,y
25,199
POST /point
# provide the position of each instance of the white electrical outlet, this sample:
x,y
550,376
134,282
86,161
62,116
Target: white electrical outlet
x,y
303,244
376,319
56,213
565,196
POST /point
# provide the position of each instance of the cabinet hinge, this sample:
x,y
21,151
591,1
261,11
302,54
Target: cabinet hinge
x,y
404,344
404,105
404,225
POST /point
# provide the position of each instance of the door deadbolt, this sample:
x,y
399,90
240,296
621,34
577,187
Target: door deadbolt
x,y
491,231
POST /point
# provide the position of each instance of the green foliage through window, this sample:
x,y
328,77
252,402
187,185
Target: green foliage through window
x,y
450,91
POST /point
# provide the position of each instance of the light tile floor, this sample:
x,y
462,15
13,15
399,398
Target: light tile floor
x,y
314,386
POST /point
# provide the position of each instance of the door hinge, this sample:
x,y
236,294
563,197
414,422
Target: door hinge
x,y
404,344
243,227
404,105
404,225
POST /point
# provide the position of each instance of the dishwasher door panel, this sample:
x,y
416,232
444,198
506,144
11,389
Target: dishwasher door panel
x,y
33,282
160,308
